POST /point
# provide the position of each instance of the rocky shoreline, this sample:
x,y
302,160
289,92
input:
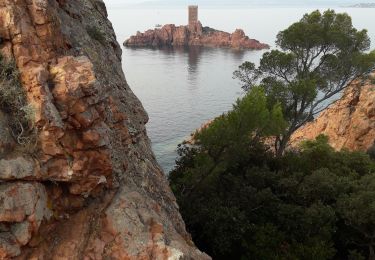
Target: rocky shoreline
x,y
171,35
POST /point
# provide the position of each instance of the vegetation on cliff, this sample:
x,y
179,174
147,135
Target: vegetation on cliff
x,y
317,58
244,200
13,101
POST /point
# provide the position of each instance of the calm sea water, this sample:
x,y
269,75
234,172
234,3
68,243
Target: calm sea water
x,y
182,89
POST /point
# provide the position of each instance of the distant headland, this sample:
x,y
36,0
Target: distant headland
x,y
363,5
193,34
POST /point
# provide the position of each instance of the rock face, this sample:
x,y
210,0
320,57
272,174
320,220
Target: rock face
x,y
92,189
194,35
349,123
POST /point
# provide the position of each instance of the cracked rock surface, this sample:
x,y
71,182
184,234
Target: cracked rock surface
x,y
93,188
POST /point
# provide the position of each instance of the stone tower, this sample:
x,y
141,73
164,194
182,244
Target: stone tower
x,y
193,15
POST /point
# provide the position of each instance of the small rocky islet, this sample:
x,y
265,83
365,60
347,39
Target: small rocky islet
x,y
193,34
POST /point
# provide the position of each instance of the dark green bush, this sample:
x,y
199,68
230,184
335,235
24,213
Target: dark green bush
x,y
312,204
371,151
96,34
239,201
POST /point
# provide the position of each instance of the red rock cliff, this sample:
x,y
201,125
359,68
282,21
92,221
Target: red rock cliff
x,y
93,189
170,35
349,123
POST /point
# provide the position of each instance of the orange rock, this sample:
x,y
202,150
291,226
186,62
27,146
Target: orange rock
x,y
349,122
92,149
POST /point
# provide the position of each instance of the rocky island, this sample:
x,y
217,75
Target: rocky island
x,y
193,34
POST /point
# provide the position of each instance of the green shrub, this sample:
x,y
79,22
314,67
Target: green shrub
x,y
96,34
371,151
239,201
311,204
13,101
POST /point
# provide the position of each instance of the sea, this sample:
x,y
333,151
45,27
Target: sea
x,y
181,89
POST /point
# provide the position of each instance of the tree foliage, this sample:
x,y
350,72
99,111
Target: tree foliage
x,y
228,138
239,201
312,204
316,59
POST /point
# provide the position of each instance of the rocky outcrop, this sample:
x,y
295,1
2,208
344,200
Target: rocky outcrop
x,y
170,35
349,123
91,188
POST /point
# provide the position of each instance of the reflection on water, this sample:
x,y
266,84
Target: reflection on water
x,y
181,89
194,54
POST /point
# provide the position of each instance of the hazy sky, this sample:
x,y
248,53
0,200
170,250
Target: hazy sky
x,y
233,2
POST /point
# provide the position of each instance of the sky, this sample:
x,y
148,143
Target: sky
x,y
213,3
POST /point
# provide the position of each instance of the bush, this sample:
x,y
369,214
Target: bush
x,y
239,201
312,204
96,34
13,101
371,151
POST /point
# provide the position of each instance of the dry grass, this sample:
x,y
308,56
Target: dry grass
x,y
13,101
